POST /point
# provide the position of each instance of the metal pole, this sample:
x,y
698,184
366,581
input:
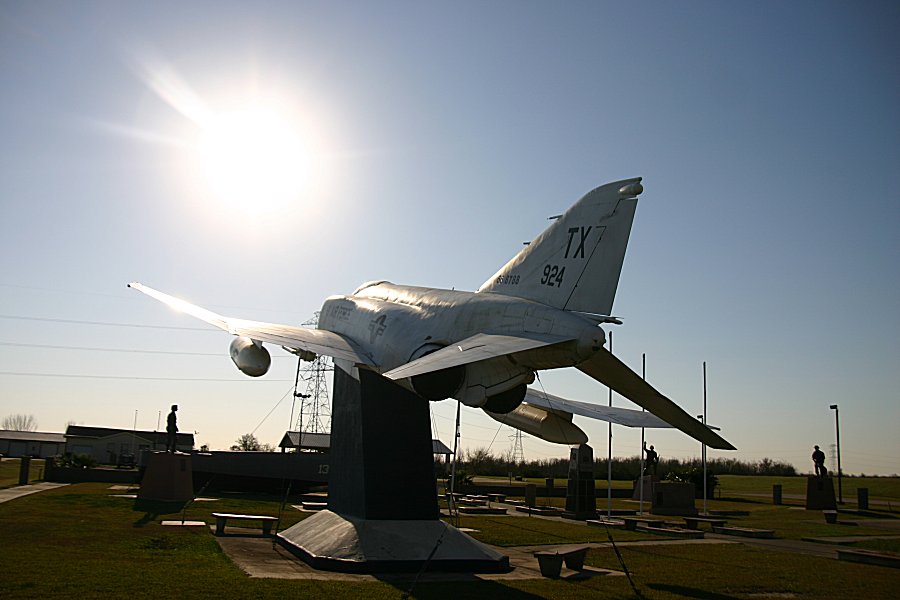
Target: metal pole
x,y
643,441
837,429
705,511
609,456
134,432
450,501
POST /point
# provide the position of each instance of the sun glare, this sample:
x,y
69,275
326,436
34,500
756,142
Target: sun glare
x,y
254,159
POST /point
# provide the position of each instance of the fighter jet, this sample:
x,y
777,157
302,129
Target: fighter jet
x,y
542,310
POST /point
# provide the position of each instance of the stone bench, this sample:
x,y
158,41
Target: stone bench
x,y
550,561
870,557
222,518
694,522
745,532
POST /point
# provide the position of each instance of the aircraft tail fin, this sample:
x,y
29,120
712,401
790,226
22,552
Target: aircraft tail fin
x,y
575,263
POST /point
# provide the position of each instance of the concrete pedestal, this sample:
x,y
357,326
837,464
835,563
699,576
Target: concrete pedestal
x,y
647,482
581,502
820,493
334,542
673,498
168,477
382,495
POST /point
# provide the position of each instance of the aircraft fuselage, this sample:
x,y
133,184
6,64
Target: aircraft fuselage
x,y
398,324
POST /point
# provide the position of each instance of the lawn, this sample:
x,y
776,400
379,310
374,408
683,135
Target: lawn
x,y
82,541
9,471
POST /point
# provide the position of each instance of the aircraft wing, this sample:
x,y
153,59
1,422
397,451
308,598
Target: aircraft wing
x,y
473,349
318,341
610,371
620,416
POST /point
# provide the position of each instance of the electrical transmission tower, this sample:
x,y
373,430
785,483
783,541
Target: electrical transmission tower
x,y
518,453
315,409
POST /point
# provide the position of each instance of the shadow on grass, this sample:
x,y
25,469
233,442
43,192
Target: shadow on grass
x,y
475,588
740,500
152,510
687,592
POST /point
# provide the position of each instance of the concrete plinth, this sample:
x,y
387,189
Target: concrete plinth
x,y
334,542
168,477
382,495
647,482
673,498
581,502
820,493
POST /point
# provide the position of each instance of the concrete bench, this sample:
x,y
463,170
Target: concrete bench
x,y
694,522
870,557
631,523
550,561
222,518
745,532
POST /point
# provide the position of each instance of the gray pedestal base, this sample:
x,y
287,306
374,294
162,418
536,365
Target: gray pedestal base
x,y
334,542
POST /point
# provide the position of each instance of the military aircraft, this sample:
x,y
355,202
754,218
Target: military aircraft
x,y
542,310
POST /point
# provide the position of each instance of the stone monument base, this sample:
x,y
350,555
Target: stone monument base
x,y
333,542
673,498
168,477
820,493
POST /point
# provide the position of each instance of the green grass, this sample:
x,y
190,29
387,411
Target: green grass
x,y
531,531
9,471
738,571
882,488
879,545
80,541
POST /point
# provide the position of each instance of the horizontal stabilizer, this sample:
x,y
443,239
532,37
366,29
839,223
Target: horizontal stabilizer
x,y
612,414
613,373
473,349
317,341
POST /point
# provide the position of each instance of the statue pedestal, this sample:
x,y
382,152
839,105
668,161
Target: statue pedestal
x,y
581,502
820,493
673,498
168,477
382,495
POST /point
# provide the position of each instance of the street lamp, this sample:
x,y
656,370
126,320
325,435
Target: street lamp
x,y
837,430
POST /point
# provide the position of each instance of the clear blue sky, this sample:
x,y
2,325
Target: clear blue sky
x,y
438,137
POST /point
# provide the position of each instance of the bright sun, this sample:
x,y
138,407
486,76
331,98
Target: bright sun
x,y
254,159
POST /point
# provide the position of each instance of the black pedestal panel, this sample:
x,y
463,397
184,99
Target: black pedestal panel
x,y
382,496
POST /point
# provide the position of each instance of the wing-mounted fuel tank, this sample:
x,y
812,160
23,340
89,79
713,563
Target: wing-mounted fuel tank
x,y
250,356
552,426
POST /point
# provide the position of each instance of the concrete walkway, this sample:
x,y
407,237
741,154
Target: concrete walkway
x,y
23,490
263,557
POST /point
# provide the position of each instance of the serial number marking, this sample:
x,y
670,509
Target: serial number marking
x,y
553,275
508,280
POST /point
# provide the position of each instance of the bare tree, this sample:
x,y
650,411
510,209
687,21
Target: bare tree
x,y
20,423
247,443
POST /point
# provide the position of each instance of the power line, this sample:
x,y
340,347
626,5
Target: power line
x,y
104,323
131,377
128,350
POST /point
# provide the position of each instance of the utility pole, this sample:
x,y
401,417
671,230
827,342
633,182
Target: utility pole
x,y
837,430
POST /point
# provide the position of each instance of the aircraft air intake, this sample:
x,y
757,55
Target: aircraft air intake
x,y
439,385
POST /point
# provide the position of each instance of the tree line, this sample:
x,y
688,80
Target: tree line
x,y
481,461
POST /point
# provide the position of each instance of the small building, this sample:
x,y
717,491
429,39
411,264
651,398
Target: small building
x,y
302,440
105,445
15,444
321,442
